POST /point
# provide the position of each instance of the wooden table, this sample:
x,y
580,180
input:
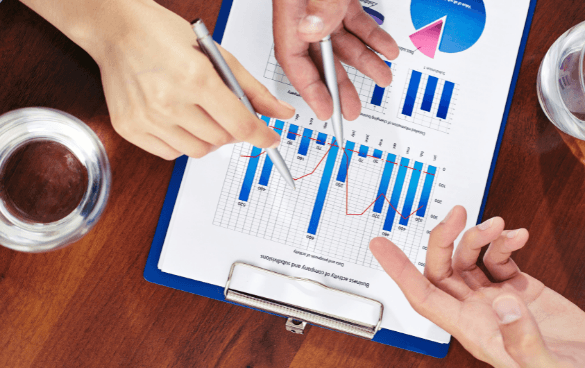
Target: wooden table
x,y
89,306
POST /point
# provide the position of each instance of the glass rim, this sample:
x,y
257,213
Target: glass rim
x,y
27,125
581,66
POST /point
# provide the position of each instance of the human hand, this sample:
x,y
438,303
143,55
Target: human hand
x,y
515,321
164,95
299,24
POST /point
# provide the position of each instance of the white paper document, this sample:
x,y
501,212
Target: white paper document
x,y
420,146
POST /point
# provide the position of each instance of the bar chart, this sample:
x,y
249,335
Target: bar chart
x,y
428,101
345,196
372,96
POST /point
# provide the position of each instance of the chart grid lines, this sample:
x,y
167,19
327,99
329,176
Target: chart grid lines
x,y
372,96
325,215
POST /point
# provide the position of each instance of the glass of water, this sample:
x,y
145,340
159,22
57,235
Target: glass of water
x,y
561,83
54,179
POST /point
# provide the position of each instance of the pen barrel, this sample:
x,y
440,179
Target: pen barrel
x,y
330,73
248,104
331,82
208,46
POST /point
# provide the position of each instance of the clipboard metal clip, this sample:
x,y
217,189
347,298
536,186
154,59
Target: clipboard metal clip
x,y
244,283
295,326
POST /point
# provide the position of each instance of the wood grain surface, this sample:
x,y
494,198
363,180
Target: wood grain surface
x,y
89,306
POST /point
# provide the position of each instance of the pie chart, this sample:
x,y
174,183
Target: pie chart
x,y
378,17
448,26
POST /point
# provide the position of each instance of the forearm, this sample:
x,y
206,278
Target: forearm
x,y
92,24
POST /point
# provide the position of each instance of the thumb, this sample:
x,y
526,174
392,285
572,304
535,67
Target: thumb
x,y
321,18
522,338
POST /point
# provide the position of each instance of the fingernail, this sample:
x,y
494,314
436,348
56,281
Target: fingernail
x,y
507,309
512,234
486,224
447,217
311,24
275,145
286,104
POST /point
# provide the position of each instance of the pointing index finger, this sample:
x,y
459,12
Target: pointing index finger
x,y
428,300
438,268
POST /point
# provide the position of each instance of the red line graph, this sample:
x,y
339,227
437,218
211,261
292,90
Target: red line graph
x,y
347,149
315,169
347,180
263,152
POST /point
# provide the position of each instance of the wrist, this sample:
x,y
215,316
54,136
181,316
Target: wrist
x,y
107,27
94,25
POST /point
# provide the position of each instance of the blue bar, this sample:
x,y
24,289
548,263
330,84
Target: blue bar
x,y
445,100
377,153
277,124
323,188
411,93
426,193
292,132
414,178
396,194
345,161
427,102
363,151
267,168
388,167
307,134
250,173
266,119
321,138
377,95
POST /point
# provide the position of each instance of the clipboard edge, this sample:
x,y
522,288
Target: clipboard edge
x,y
519,58
383,336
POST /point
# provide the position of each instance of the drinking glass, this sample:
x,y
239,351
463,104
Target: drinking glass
x,y
561,83
29,125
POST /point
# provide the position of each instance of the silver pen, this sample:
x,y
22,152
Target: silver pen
x,y
208,46
331,81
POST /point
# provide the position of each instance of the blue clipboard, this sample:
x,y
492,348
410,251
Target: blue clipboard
x,y
384,336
